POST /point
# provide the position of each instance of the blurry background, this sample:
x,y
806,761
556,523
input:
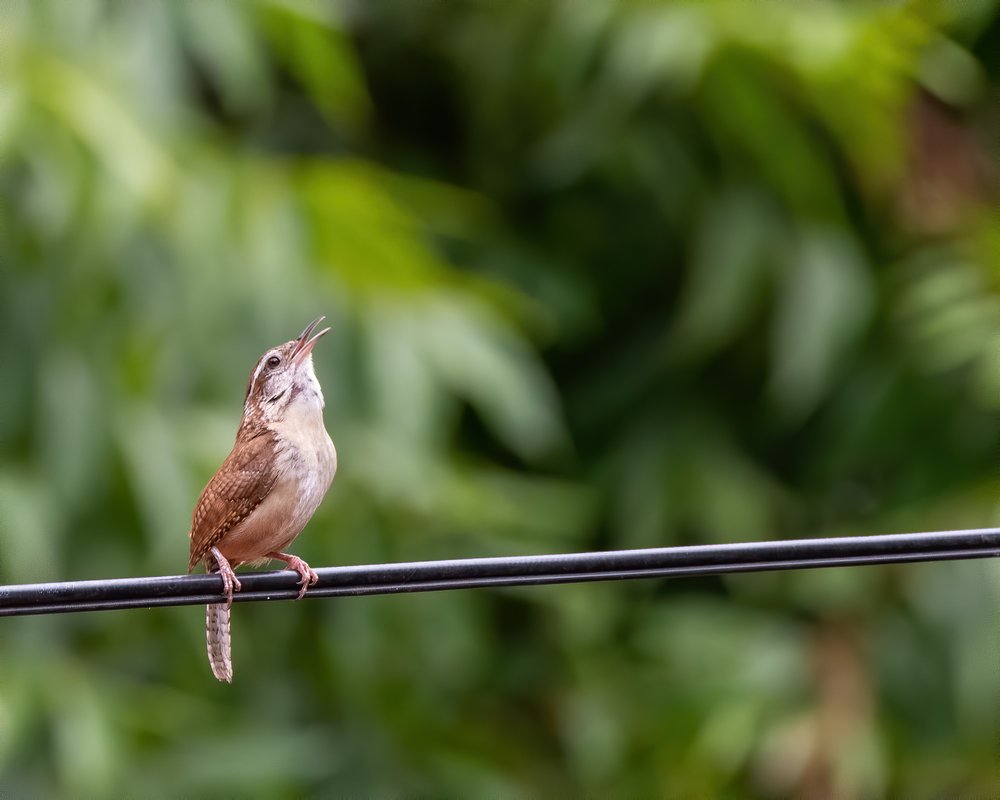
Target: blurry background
x,y
600,276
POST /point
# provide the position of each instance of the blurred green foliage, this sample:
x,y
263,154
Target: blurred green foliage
x,y
601,275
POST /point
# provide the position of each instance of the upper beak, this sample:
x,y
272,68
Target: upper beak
x,y
304,345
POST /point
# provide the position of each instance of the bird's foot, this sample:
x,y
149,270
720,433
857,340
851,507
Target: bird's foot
x,y
307,573
230,582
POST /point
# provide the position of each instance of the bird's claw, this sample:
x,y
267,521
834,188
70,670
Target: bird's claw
x,y
306,573
230,582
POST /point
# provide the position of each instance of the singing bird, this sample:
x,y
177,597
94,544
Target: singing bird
x,y
269,486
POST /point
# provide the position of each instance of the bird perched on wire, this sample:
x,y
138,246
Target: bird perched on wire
x,y
269,486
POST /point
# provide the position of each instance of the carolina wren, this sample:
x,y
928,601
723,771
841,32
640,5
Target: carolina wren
x,y
270,484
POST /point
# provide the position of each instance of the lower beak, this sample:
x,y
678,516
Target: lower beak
x,y
304,344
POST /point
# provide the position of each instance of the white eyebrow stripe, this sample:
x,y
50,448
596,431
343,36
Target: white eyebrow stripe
x,y
256,373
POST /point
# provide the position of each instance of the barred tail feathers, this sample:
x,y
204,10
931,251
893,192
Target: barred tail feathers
x,y
220,652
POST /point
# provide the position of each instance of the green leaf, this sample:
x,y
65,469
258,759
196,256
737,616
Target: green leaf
x,y
825,303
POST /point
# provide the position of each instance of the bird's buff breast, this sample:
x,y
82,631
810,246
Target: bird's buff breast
x,y
305,463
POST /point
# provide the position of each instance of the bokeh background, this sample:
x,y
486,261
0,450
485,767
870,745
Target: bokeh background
x,y
601,275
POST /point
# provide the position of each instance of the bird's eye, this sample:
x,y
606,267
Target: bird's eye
x,y
273,361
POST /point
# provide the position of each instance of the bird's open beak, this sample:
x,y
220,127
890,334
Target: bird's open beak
x,y
304,344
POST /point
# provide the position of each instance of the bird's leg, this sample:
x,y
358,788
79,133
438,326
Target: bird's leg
x,y
309,576
229,580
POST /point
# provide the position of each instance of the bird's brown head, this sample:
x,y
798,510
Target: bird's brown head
x,y
284,377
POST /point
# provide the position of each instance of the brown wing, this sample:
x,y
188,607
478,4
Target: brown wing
x,y
241,484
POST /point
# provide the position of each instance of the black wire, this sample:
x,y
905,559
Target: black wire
x,y
470,573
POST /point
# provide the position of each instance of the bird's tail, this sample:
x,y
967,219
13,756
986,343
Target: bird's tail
x,y
220,651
